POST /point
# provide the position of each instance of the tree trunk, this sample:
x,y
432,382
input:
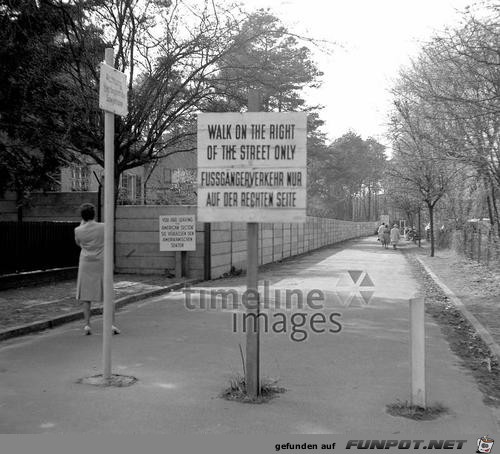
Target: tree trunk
x,y
490,210
19,205
352,208
495,208
409,217
19,213
431,224
369,203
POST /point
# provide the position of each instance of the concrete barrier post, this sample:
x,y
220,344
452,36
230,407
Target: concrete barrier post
x,y
417,352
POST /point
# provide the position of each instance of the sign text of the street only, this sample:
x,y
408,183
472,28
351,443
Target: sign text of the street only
x,y
113,90
252,167
178,233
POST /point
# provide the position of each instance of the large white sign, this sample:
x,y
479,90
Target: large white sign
x,y
113,90
252,167
178,232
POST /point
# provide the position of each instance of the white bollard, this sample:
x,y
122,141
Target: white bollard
x,y
417,352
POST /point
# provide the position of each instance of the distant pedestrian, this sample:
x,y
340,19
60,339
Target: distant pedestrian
x,y
380,233
386,236
428,231
395,236
89,235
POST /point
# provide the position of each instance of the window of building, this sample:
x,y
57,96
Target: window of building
x,y
124,182
138,188
80,178
167,176
131,188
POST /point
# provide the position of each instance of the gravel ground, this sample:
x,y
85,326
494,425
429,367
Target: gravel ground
x,y
463,340
476,285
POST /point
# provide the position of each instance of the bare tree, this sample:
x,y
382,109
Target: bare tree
x,y
456,82
181,57
418,161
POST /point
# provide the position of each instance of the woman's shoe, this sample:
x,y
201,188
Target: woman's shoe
x,y
87,330
115,329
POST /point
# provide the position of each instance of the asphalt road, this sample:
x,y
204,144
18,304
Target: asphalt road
x,y
337,382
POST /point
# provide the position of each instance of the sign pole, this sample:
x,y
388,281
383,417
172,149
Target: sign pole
x,y
109,203
178,264
252,379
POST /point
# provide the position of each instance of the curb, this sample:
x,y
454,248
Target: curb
x,y
33,327
483,333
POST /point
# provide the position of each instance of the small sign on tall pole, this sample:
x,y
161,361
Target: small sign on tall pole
x,y
113,100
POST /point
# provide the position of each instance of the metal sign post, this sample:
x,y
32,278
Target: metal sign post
x,y
252,379
109,203
112,99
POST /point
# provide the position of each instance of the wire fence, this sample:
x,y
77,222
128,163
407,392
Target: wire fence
x,y
476,241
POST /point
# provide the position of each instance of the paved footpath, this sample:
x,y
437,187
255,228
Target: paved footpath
x,y
31,304
336,383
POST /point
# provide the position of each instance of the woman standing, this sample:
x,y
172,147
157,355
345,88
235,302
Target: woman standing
x,y
89,235
380,233
386,236
395,236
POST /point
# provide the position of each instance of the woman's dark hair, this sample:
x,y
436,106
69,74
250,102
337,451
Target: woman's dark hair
x,y
87,211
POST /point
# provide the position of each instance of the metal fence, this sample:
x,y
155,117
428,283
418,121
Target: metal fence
x,y
31,246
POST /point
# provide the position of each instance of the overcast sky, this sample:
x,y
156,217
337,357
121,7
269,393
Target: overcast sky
x,y
377,37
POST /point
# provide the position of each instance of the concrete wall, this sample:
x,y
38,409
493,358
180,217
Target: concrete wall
x,y
279,240
137,241
51,206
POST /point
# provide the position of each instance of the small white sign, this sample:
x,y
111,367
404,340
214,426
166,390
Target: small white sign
x,y
113,90
252,167
178,232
